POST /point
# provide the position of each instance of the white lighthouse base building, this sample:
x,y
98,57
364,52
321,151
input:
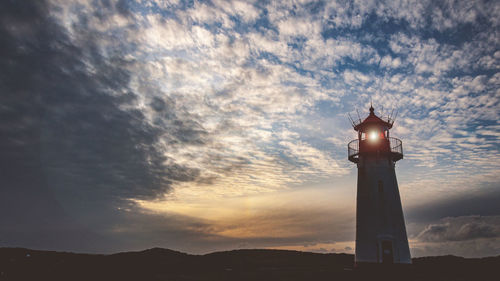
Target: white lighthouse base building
x,y
380,226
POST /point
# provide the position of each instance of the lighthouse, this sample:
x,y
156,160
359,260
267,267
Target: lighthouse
x,y
380,226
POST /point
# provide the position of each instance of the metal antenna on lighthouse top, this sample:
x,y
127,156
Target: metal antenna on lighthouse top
x,y
396,116
358,115
389,117
350,119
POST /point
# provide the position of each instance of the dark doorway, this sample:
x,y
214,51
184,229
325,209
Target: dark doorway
x,y
387,253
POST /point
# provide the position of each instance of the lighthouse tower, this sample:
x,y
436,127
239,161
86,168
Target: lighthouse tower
x,y
380,226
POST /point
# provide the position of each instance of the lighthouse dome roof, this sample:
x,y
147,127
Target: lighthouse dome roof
x,y
372,120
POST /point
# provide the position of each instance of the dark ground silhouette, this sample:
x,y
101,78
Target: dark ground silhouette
x,y
163,264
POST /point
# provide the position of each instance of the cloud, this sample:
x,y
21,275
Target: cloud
x,y
298,27
454,13
482,201
461,228
313,160
387,61
468,236
70,139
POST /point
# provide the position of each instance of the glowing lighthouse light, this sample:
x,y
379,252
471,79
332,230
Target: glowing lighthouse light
x,y
380,226
373,136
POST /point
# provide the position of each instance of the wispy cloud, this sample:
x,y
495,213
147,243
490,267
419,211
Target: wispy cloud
x,y
465,236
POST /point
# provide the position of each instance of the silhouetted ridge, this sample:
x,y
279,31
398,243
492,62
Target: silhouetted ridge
x,y
153,252
251,264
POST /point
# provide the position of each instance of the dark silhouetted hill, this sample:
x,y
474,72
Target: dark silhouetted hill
x,y
164,264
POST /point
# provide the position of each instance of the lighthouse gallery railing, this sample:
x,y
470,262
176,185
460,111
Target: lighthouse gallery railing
x,y
395,144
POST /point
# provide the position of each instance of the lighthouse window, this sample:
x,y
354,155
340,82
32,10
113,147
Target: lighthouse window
x,y
380,186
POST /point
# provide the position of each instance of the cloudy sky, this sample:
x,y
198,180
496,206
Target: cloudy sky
x,y
203,126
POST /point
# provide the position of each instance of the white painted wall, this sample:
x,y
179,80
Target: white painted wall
x,y
379,215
